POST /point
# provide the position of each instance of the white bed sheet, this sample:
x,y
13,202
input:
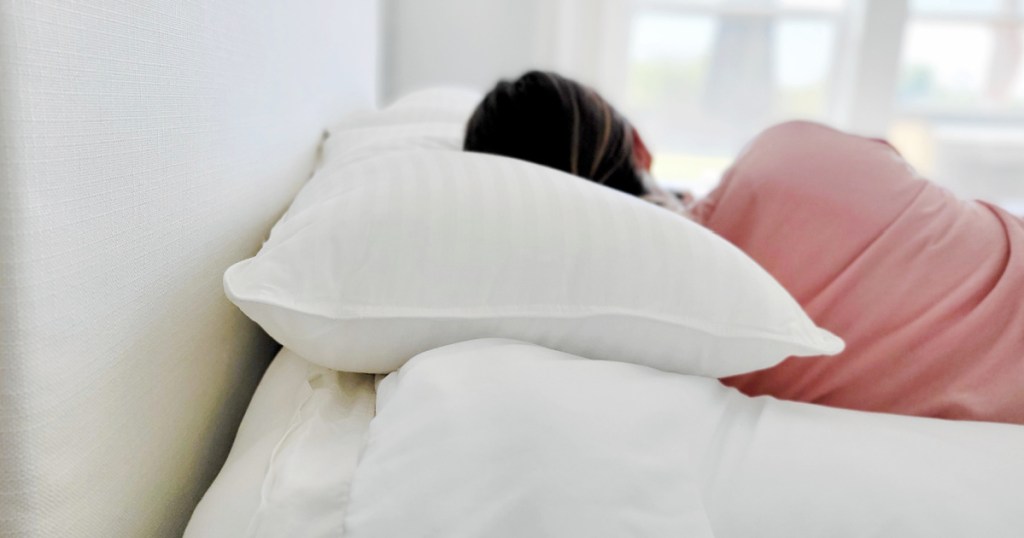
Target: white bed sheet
x,y
300,415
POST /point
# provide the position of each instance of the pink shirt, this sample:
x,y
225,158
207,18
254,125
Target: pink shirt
x,y
926,289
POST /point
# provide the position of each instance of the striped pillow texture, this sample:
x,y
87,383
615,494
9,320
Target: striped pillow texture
x,y
390,251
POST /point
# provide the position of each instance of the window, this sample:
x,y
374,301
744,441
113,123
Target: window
x,y
943,79
960,97
705,75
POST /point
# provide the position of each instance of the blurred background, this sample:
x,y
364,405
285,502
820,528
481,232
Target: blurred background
x,y
943,80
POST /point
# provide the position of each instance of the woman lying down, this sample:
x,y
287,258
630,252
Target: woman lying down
x,y
501,438
926,289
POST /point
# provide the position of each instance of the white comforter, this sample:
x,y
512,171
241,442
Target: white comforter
x,y
495,438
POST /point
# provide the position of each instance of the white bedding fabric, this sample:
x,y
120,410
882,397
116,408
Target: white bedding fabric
x,y
293,457
500,438
380,258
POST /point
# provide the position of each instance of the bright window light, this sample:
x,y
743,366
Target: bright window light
x,y
702,77
946,64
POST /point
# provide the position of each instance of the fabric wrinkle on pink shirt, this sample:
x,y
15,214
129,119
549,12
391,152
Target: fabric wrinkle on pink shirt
x,y
926,289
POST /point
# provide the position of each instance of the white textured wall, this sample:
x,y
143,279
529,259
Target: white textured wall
x,y
146,145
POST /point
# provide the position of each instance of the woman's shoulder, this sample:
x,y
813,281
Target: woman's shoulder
x,y
815,147
803,160
803,186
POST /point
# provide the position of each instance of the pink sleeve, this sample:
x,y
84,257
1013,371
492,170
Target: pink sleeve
x,y
925,288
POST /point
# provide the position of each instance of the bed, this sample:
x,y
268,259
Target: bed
x,y
162,163
459,365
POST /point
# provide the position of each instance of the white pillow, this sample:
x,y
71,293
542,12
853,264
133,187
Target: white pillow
x,y
501,439
498,438
432,105
294,455
432,118
384,257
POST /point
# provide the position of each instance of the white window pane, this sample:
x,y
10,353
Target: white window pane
x,y
658,36
701,85
977,7
945,64
669,59
740,94
804,51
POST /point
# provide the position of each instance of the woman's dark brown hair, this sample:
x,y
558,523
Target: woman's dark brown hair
x,y
548,119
